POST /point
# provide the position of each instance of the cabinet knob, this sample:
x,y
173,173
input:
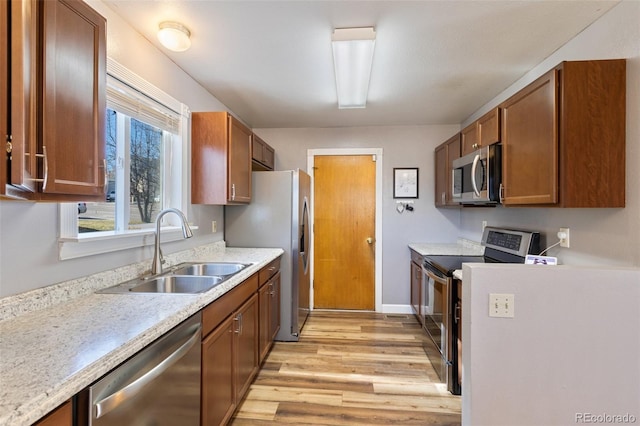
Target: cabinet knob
x,y
369,240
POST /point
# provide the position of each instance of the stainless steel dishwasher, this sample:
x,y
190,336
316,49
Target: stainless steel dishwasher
x,y
158,386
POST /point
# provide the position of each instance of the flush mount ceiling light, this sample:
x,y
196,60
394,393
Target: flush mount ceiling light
x,y
352,58
174,36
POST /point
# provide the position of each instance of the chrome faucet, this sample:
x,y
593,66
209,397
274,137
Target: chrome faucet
x,y
156,266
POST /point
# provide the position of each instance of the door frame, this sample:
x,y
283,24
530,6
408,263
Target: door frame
x,y
377,152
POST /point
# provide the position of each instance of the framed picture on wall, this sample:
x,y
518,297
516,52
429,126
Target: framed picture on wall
x,y
405,182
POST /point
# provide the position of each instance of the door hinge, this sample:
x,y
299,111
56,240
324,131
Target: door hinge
x,y
374,158
9,146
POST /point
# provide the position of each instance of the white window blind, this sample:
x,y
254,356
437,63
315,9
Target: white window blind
x,y
123,98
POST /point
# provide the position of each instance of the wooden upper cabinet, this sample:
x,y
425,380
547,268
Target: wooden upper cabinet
x,y
58,101
530,144
220,159
263,155
489,128
563,137
469,138
444,156
73,93
484,131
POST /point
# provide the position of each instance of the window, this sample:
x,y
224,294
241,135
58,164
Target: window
x,y
146,132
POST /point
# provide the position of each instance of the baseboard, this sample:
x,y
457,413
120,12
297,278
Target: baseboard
x,y
396,309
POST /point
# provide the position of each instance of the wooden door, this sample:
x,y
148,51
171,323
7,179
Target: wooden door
x,y
73,100
530,144
469,139
23,92
274,306
344,220
218,385
246,349
239,162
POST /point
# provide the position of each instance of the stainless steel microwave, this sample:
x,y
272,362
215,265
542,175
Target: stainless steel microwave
x,y
477,176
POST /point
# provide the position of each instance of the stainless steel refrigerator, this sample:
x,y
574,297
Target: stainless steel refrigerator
x,y
278,216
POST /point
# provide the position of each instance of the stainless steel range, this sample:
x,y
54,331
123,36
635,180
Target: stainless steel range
x,y
441,304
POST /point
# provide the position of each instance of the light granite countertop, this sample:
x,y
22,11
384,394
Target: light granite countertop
x,y
461,248
51,352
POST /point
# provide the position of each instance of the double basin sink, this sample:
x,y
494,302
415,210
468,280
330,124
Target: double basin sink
x,y
186,278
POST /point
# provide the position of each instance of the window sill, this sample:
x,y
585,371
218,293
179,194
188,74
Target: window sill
x,y
107,242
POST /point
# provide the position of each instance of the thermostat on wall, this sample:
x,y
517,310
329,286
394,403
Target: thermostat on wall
x,y
532,259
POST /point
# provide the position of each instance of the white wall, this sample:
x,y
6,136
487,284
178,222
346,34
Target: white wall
x,y
600,236
403,146
28,242
573,346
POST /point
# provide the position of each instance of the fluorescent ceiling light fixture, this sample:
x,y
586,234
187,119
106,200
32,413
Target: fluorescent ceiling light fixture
x,y
174,36
352,58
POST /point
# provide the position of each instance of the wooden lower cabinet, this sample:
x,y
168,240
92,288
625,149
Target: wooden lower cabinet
x,y
61,416
218,384
269,297
229,360
416,284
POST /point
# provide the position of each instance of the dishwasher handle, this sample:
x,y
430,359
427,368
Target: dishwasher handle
x,y
112,401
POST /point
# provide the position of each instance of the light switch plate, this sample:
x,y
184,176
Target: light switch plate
x,y
501,305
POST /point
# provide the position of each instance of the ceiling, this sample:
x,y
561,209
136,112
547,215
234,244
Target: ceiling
x,y
435,62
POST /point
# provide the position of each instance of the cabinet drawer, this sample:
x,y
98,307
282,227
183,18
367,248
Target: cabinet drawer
x,y
416,257
268,271
216,312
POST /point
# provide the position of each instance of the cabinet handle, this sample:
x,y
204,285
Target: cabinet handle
x,y
233,192
45,166
444,197
237,320
501,194
106,176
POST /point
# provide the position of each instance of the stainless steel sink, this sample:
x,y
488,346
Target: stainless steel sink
x,y
209,269
177,284
186,278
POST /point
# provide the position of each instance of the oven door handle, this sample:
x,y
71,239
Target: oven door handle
x,y
110,402
434,276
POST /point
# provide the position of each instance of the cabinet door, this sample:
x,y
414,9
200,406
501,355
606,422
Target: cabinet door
x,y
23,92
274,306
264,300
441,176
239,179
530,144
469,139
489,128
72,140
444,156
246,349
218,385
416,283
61,416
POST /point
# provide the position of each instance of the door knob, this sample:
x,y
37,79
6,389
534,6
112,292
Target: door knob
x,y
369,240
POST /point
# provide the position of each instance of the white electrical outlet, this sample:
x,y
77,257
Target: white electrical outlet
x,y
563,236
214,226
501,305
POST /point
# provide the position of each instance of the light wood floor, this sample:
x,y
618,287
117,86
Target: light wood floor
x,y
350,369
